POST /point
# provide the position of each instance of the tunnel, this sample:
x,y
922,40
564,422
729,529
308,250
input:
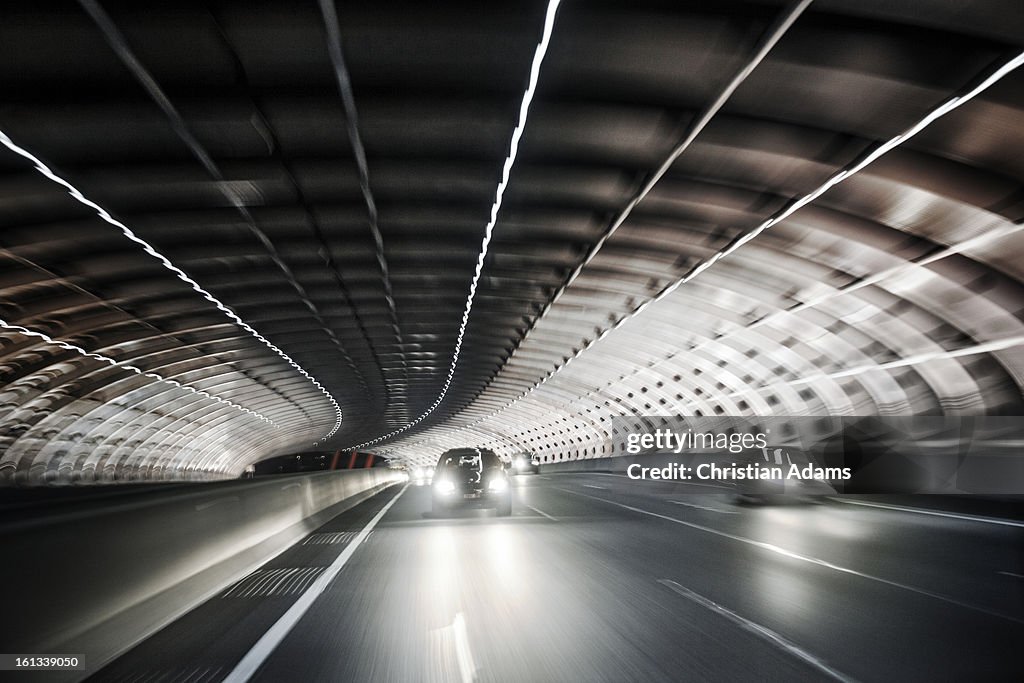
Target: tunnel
x,y
367,236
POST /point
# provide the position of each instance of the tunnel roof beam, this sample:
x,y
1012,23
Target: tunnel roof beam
x,y
771,38
517,133
122,49
330,15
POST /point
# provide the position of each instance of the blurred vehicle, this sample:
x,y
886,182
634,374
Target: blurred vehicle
x,y
782,489
471,478
525,462
421,476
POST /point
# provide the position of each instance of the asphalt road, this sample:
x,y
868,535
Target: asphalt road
x,y
599,578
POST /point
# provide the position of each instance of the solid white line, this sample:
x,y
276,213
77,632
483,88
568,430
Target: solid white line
x,y
933,513
255,657
803,558
591,486
1011,574
541,512
761,631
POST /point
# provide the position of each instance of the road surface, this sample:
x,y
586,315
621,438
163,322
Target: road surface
x,y
600,578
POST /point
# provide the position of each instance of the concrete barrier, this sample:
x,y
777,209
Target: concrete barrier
x,y
95,577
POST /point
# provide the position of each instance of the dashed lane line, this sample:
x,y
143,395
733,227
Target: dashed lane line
x,y
761,632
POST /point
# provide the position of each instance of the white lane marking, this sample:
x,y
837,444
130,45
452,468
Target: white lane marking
x,y
591,486
933,513
545,478
291,486
210,504
804,558
761,631
541,512
1016,576
267,643
703,507
463,654
330,538
267,580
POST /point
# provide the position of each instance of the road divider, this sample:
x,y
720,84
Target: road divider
x,y
99,575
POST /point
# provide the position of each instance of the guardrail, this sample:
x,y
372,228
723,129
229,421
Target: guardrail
x,y
96,577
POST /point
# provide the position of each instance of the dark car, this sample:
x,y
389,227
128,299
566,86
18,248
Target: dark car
x,y
471,478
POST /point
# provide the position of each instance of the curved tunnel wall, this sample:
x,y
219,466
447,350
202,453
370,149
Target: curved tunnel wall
x,y
76,418
267,280
798,323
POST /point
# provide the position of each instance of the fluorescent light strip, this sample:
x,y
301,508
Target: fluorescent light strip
x,y
895,271
776,33
987,347
151,250
125,366
878,152
119,44
517,134
780,28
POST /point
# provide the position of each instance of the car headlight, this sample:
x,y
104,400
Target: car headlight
x,y
445,486
498,484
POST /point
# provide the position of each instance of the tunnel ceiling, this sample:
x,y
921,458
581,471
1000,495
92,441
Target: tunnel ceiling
x,y
234,230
